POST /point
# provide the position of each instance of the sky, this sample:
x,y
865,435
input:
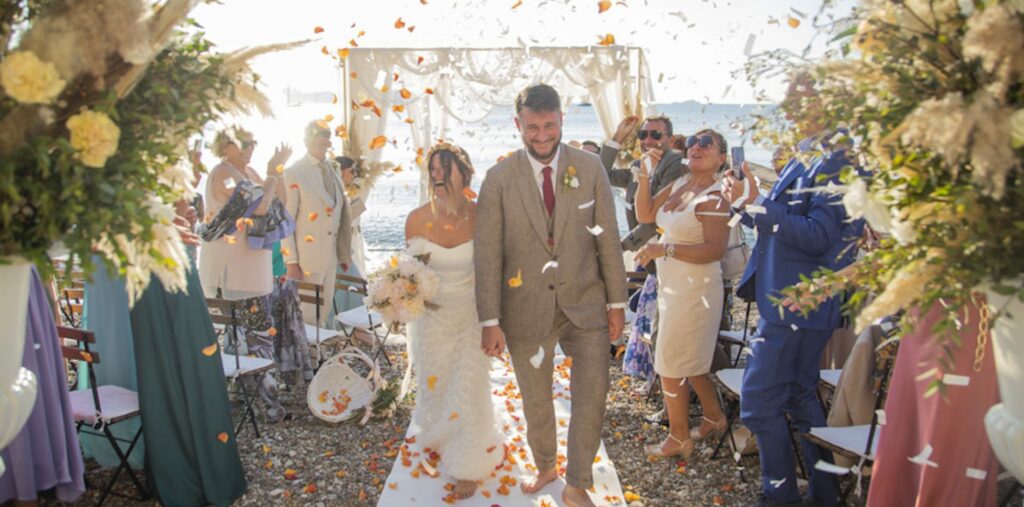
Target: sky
x,y
693,46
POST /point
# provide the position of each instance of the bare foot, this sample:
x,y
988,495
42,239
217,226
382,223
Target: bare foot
x,y
535,484
576,497
464,489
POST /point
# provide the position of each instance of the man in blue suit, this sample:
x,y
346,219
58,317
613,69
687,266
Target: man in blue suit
x,y
798,232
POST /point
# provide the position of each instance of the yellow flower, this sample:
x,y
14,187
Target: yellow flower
x,y
95,137
28,79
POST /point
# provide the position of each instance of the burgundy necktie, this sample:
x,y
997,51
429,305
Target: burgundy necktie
x,y
549,191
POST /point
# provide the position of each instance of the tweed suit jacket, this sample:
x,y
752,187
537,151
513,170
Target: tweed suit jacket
x,y
512,241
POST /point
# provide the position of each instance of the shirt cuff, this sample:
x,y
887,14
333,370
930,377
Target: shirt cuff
x,y
612,144
489,323
618,306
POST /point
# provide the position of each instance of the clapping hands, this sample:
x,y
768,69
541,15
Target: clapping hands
x,y
626,127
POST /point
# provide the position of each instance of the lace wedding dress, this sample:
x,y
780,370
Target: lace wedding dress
x,y
454,413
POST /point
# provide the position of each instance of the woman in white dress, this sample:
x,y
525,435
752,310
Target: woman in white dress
x,y
694,219
454,411
228,267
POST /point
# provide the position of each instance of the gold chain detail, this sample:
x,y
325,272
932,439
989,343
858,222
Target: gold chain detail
x,y
983,334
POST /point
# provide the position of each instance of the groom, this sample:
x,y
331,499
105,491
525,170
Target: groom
x,y
549,272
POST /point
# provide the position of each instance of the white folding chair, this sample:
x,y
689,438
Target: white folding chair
x,y
360,318
316,336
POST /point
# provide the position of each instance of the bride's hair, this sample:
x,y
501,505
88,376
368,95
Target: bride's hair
x,y
450,156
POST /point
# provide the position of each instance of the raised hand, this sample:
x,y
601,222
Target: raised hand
x,y
654,155
740,193
281,155
626,127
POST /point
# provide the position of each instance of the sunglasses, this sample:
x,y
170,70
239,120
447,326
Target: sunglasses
x,y
704,141
654,134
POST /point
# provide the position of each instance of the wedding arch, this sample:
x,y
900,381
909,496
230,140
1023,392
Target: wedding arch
x,y
429,87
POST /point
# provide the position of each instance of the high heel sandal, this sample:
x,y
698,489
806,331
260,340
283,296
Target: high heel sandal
x,y
685,448
717,429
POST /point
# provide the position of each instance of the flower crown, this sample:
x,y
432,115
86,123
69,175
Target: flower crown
x,y
451,148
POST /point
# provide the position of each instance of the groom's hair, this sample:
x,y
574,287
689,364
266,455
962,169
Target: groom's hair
x,y
538,97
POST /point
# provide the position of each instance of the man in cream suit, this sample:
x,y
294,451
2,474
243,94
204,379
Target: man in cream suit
x,y
323,223
549,272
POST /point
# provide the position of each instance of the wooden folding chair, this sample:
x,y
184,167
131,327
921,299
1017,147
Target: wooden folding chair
x,y
316,336
224,314
738,339
360,318
98,408
858,443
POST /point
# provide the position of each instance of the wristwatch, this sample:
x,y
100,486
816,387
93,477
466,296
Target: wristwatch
x,y
670,250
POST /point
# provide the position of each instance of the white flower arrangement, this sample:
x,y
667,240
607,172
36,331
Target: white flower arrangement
x,y
403,289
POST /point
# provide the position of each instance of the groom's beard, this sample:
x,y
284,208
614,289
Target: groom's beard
x,y
543,156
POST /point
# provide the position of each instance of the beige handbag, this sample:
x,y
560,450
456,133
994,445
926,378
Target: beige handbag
x,y
736,255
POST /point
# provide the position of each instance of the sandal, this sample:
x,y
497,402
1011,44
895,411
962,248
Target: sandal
x,y
717,429
685,448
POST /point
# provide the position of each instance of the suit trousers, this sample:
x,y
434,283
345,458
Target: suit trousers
x,y
327,281
780,380
589,379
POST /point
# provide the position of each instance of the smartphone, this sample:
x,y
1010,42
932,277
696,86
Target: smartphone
x,y
198,145
737,162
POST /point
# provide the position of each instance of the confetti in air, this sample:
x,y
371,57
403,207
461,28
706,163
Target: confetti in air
x,y
596,230
922,457
586,204
537,358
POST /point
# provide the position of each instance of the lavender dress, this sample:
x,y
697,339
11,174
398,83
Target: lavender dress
x,y
46,453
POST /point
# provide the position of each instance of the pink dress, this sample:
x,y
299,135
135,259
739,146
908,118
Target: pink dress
x,y
961,469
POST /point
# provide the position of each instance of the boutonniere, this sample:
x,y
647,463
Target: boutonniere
x,y
570,180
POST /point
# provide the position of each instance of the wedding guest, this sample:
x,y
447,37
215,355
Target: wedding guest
x,y
234,262
592,147
323,235
654,134
353,180
191,453
45,453
696,233
797,233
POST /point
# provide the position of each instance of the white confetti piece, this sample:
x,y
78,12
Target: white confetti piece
x,y
922,458
829,468
587,204
670,395
749,47
956,380
756,340
795,201
754,209
537,358
629,206
794,327
880,416
775,228
736,456
705,301
927,375
549,265
595,230
975,473
776,484
735,220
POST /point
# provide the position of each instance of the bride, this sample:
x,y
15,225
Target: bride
x,y
454,411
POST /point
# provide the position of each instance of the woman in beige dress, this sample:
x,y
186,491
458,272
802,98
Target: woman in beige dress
x,y
694,220
228,267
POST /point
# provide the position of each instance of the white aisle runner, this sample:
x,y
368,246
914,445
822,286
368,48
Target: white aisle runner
x,y
410,484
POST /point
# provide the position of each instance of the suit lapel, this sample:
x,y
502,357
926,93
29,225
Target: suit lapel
x,y
315,180
790,173
530,195
562,195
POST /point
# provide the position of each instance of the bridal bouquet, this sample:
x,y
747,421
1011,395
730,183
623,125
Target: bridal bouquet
x,y
403,289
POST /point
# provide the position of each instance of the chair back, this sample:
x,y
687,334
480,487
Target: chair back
x,y
81,353
312,293
635,279
885,359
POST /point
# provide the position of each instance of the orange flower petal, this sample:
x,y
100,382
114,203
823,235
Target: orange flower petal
x,y
318,29
341,474
294,186
223,437
793,22
607,40
393,485
603,5
409,121
230,239
210,350
291,474
419,60
308,238
469,193
279,169
406,94
313,216
411,28
272,331
378,142
517,4
352,42
310,488
431,382
454,416
285,251
399,24
517,281
323,50
429,91
334,98
398,108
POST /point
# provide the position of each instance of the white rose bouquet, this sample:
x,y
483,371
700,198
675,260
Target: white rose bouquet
x,y
403,289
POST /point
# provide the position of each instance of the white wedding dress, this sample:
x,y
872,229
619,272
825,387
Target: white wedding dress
x,y
454,413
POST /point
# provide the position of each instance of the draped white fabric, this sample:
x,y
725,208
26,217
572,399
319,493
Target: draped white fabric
x,y
467,83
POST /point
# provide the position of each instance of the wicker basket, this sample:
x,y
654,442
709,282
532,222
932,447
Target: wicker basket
x,y
337,393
